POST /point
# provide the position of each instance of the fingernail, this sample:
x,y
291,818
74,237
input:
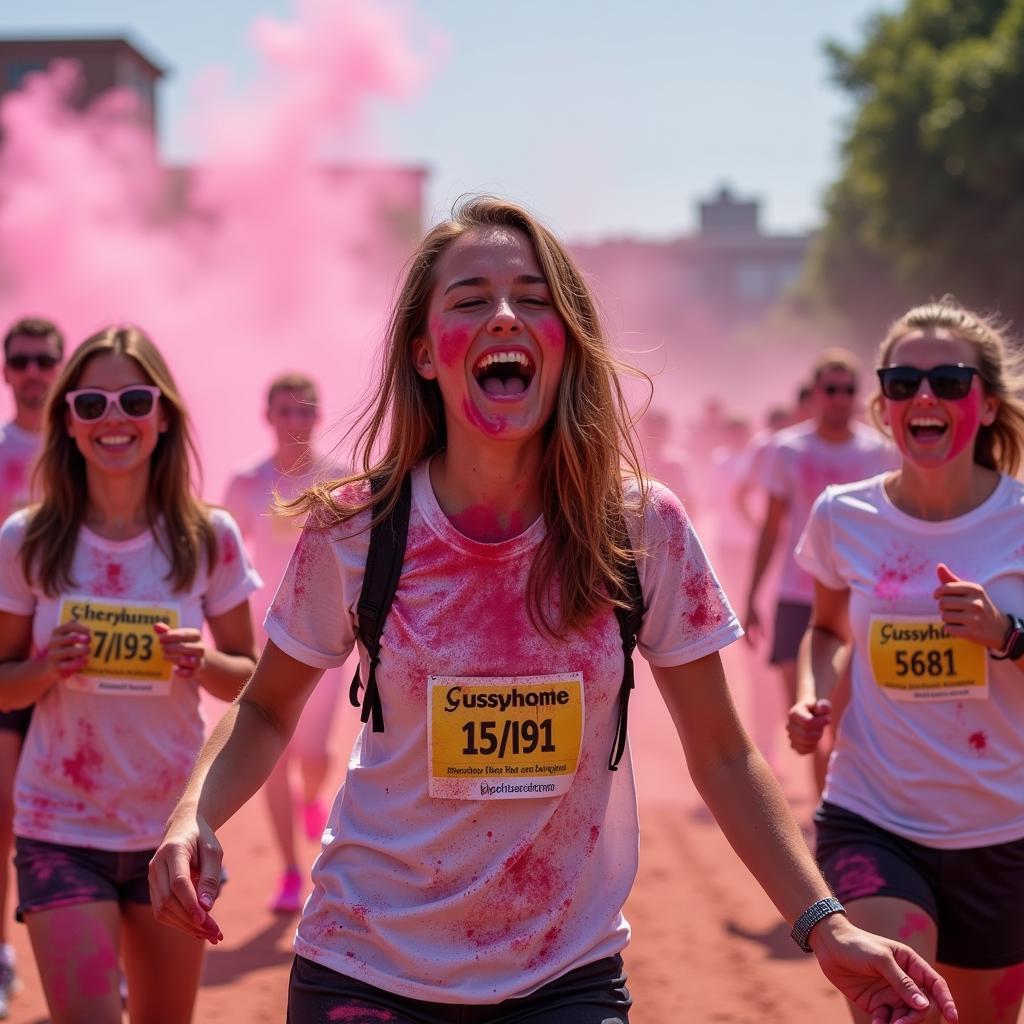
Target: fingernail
x,y
206,900
919,1001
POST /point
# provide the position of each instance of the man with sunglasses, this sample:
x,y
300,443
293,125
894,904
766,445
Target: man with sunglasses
x,y
830,448
33,350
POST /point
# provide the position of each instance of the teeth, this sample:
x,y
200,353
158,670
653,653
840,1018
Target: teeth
x,y
114,439
502,357
926,421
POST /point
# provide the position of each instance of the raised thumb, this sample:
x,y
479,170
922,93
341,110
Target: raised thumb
x,y
822,707
945,574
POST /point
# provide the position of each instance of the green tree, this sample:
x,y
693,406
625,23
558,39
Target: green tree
x,y
931,195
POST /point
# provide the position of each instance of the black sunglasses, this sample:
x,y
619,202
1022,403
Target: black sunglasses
x,y
950,382
21,362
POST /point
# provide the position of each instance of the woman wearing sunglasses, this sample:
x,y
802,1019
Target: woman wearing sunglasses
x,y
477,858
921,573
104,587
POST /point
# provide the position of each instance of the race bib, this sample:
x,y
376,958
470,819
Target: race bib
x,y
125,656
914,658
506,738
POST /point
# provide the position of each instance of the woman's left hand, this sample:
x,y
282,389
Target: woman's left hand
x,y
183,647
882,977
968,611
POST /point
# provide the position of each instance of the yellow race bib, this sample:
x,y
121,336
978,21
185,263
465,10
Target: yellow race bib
x,y
504,738
125,656
914,658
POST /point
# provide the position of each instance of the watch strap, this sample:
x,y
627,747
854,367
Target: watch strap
x,y
816,912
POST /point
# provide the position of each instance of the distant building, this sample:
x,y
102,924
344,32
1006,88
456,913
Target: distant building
x,y
111,63
395,191
726,275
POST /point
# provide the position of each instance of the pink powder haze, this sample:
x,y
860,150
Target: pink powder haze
x,y
279,250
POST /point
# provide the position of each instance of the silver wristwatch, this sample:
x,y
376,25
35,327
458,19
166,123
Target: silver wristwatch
x,y
811,916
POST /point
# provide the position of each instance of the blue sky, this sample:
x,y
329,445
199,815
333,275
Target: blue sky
x,y
607,118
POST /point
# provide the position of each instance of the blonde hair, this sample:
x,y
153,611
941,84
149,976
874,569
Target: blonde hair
x,y
999,446
60,474
298,383
589,439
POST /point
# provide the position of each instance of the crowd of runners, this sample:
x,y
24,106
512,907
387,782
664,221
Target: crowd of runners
x,y
496,541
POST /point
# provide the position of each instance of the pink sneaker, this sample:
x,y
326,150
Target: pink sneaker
x,y
289,898
313,817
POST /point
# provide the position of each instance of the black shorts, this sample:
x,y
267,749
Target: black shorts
x,y
974,896
791,621
16,721
51,875
594,994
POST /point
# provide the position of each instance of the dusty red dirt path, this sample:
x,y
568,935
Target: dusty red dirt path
x,y
707,945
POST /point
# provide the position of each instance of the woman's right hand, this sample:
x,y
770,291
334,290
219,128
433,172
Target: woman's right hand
x,y
806,723
184,876
68,649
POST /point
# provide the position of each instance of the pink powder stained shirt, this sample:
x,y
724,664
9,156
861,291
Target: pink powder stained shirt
x,y
474,901
104,770
18,452
945,773
800,466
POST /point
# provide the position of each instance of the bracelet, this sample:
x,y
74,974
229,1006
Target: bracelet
x,y
1013,645
811,916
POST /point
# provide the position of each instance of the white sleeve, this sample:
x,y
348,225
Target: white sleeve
x,y
16,594
310,617
815,551
687,614
775,478
232,578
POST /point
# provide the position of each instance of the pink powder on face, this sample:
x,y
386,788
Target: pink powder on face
x,y
452,343
81,767
966,425
978,741
913,924
1008,991
476,419
859,876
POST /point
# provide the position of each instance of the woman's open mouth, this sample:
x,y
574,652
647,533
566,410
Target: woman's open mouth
x,y
504,374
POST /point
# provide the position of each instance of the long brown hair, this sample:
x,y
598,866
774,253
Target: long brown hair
x,y
999,446
590,438
180,522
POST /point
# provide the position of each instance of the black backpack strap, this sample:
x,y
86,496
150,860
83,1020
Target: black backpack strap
x,y
630,619
380,581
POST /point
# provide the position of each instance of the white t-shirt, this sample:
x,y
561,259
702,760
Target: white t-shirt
x,y
101,768
18,451
271,538
479,900
938,764
800,467
729,469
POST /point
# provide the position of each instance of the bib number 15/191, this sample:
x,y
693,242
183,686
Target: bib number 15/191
x,y
915,659
504,738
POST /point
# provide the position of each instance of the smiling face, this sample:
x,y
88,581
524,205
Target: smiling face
x,y
495,343
116,444
929,431
31,384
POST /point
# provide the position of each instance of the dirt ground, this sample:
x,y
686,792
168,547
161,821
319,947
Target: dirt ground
x,y
707,945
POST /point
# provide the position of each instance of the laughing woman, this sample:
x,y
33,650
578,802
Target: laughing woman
x,y
477,859
103,589
921,831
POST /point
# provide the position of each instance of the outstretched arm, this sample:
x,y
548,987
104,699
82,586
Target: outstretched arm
x,y
880,976
184,875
